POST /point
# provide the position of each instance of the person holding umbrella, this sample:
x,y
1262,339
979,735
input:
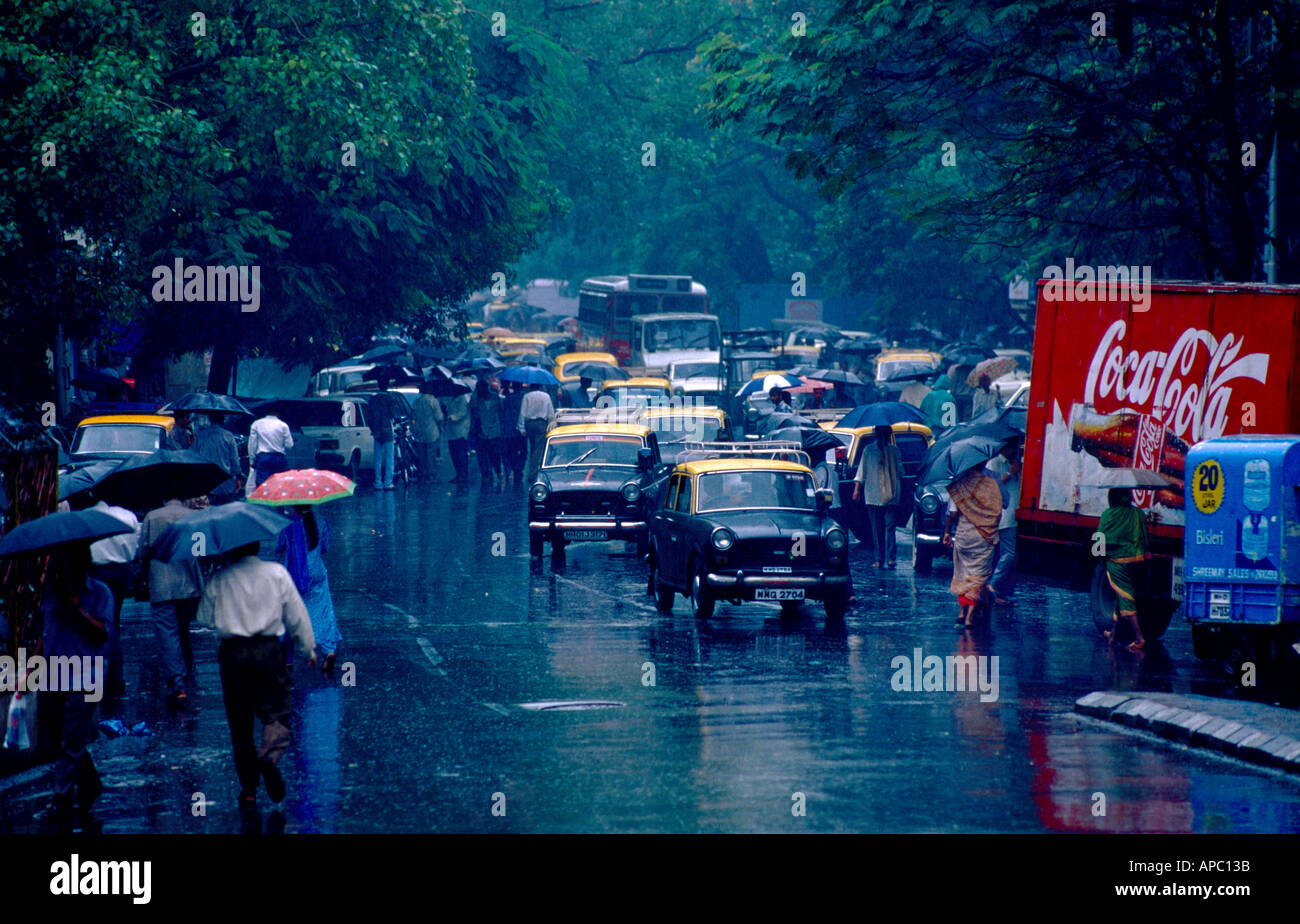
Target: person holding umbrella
x,y
218,445
426,427
1127,552
514,446
576,394
251,603
879,485
974,511
458,423
381,414
535,415
77,613
174,591
485,410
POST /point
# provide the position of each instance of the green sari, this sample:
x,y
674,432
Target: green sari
x,y
1125,529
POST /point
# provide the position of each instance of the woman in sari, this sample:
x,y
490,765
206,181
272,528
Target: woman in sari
x,y
975,507
1125,529
302,546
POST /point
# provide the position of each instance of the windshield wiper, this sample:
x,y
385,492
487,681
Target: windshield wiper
x,y
581,457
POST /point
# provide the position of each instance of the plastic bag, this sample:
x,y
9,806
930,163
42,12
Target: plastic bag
x,y
16,735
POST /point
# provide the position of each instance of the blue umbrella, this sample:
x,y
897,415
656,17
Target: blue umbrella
x,y
84,477
767,383
881,414
216,530
528,375
59,528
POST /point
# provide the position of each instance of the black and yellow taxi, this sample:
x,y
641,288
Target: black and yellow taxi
x,y
638,391
598,482
679,426
741,529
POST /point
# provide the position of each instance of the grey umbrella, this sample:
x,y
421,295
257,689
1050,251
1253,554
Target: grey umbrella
x,y
148,481
946,460
1128,478
208,403
60,528
217,530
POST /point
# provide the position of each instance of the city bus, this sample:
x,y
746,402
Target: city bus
x,y
606,305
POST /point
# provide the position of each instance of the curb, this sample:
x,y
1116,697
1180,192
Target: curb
x,y
1253,732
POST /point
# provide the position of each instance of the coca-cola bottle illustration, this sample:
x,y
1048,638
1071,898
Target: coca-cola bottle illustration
x,y
1129,439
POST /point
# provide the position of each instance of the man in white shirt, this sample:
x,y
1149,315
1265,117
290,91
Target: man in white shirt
x,y
535,416
113,561
268,441
251,603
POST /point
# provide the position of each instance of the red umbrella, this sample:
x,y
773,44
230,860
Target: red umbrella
x,y
302,486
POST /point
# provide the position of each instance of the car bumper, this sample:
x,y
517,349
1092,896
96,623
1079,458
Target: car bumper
x,y
742,584
925,538
614,528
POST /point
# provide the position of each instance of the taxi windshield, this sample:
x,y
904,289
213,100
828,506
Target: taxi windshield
x,y
118,437
592,449
673,428
749,490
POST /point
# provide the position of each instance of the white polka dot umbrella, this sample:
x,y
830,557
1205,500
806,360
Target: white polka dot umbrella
x,y
302,486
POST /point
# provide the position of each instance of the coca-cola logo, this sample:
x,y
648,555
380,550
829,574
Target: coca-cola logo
x,y
1161,383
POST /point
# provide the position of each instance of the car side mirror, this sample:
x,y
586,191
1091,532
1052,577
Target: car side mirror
x,y
645,459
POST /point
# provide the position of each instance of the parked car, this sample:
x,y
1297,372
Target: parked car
x,y
328,432
120,436
930,510
598,481
741,529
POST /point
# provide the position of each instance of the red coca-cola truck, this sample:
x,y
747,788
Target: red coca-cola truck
x,y
1115,385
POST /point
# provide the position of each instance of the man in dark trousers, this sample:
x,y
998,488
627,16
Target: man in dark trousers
x,y
381,414
218,445
251,603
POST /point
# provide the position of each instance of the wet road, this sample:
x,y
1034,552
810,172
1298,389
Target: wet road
x,y
451,630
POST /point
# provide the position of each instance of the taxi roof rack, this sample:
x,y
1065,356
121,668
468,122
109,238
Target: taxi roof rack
x,y
593,415
778,450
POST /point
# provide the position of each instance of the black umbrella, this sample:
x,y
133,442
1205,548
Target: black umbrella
x,y
476,349
383,352
812,439
148,481
596,371
60,528
393,374
835,375
479,366
1014,417
207,402
446,388
955,455
965,353
217,530
84,477
98,380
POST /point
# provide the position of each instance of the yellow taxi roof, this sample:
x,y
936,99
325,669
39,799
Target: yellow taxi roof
x,y
762,372
637,382
605,429
903,426
160,420
655,413
565,358
910,355
517,340
706,466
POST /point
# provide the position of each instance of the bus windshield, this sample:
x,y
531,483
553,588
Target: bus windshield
x,y
695,334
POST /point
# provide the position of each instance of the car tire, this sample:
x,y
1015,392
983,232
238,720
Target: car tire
x,y
789,609
922,557
354,467
535,541
642,546
836,604
662,593
701,601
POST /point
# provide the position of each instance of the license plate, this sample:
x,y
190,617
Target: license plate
x,y
779,593
1220,610
586,535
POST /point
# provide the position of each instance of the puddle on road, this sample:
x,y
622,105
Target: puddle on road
x,y
571,705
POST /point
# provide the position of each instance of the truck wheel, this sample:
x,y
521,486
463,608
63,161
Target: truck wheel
x,y
701,600
922,557
1204,643
535,545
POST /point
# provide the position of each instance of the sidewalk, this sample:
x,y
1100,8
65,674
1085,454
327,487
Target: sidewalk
x,y
1254,732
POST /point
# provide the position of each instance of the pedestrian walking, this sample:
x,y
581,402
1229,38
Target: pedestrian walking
x,y
974,510
269,441
174,591
879,486
78,623
218,445
535,416
1127,553
426,428
115,561
251,603
381,414
301,547
485,409
1006,468
984,397
939,407
458,423
576,394
515,443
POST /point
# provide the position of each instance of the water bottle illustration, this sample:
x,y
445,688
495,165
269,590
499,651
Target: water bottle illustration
x,y
1255,489
1255,486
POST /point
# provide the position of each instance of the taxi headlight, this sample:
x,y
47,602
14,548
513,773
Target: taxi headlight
x,y
929,503
539,492
723,538
631,491
835,539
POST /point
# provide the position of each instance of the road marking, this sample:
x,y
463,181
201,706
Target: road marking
x,y
625,601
